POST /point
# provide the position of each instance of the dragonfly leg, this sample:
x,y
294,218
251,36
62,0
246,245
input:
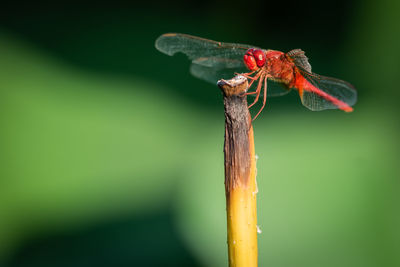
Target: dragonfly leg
x,y
253,79
251,93
250,84
265,97
247,75
258,91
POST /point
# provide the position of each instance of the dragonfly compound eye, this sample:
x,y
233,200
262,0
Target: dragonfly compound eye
x,y
254,59
250,60
259,55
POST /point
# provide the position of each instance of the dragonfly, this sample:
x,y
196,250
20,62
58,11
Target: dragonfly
x,y
212,61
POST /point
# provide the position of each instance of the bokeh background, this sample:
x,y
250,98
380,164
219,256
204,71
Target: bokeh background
x,y
111,152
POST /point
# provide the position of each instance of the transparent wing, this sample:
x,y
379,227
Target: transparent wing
x,y
319,92
299,58
327,93
276,89
213,74
273,89
211,60
200,48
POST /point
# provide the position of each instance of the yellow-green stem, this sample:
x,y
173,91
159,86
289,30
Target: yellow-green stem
x,y
240,176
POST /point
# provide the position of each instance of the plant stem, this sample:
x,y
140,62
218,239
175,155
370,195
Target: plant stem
x,y
240,175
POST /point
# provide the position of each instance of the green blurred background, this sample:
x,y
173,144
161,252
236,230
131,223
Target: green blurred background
x,y
111,152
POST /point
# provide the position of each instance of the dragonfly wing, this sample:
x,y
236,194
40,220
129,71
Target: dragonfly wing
x,y
321,93
315,102
299,58
213,56
277,89
214,72
273,89
318,92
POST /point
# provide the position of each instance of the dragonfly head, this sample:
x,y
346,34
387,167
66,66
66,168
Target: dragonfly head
x,y
254,59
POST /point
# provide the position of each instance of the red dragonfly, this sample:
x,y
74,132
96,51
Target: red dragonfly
x,y
212,61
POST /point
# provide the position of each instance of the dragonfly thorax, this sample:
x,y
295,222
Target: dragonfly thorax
x,y
278,67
